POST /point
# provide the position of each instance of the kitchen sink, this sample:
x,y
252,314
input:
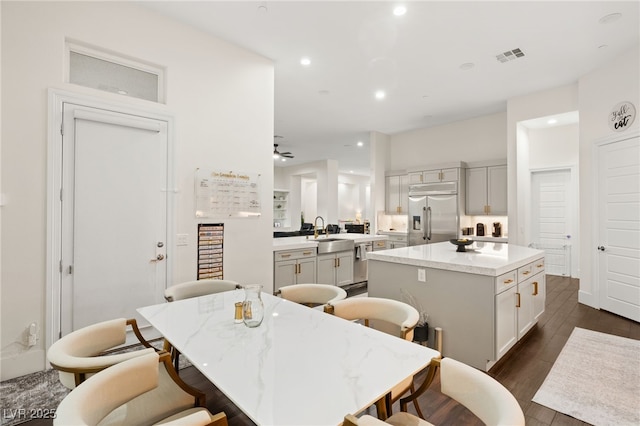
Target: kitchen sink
x,y
334,245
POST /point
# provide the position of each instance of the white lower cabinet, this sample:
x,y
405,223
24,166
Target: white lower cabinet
x,y
294,267
335,268
519,302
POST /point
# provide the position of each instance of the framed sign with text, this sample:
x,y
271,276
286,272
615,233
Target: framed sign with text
x,y
226,194
622,116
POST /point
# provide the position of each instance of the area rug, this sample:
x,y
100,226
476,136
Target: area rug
x,y
596,379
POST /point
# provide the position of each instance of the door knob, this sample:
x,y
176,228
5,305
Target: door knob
x,y
601,248
158,258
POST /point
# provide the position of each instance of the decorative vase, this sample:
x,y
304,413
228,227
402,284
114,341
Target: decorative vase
x,y
421,333
252,307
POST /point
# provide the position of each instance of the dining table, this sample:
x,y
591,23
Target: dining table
x,y
300,366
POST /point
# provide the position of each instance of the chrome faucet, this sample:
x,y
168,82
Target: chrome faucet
x,y
315,226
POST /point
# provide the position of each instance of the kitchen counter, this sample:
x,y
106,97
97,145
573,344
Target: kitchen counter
x,y
301,242
401,233
481,258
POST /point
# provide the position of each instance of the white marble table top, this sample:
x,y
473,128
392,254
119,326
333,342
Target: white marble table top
x,y
299,367
481,258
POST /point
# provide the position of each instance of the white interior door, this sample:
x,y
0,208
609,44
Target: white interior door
x,y
619,227
114,215
551,213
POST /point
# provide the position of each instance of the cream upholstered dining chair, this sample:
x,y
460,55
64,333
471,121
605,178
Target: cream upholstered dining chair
x,y
312,294
189,289
141,391
77,355
480,393
387,315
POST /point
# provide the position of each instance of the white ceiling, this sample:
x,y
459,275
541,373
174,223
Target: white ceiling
x,y
359,47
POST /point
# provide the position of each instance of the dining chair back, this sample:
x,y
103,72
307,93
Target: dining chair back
x,y
480,393
189,289
387,315
77,355
141,391
312,294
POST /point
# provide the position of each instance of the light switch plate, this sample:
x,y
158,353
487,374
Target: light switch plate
x,y
422,276
182,239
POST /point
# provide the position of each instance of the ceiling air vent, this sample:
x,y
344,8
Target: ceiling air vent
x,y
510,55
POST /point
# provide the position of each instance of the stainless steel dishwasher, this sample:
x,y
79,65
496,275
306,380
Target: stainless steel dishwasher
x,y
360,262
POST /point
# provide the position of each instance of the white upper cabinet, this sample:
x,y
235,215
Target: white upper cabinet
x,y
397,194
435,175
486,192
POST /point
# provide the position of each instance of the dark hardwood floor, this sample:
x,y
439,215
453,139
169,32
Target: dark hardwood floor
x,y
522,370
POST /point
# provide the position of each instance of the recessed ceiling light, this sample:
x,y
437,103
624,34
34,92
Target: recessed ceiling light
x,y
467,66
360,143
380,94
284,159
350,171
552,121
305,62
612,17
399,10
123,92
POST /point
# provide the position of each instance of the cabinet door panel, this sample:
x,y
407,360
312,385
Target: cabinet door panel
x,y
344,272
497,190
430,176
476,196
284,274
326,269
539,284
525,311
506,321
404,194
449,175
307,271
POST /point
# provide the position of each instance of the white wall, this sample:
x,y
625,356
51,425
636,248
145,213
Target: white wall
x,y
549,102
600,91
477,139
553,147
213,89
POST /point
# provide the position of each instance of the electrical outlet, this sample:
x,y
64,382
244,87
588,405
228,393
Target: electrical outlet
x,y
422,275
32,337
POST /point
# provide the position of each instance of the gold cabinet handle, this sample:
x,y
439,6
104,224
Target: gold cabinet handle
x,y
540,265
518,302
535,288
509,281
526,272
338,259
285,255
306,253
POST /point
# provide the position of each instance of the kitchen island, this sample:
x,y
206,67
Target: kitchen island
x,y
484,299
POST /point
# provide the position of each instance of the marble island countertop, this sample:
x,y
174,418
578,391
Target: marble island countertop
x,y
481,258
301,242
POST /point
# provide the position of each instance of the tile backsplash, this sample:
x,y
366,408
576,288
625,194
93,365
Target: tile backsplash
x,y
392,222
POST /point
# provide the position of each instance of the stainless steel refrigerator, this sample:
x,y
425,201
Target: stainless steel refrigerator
x,y
434,212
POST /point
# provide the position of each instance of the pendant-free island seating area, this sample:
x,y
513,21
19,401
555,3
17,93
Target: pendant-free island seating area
x,y
354,354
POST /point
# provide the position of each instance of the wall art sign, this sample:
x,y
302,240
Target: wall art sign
x,y
622,116
210,250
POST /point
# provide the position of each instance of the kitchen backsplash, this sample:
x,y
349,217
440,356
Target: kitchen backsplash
x,y
392,222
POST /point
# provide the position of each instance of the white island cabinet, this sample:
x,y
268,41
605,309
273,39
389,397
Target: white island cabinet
x,y
484,299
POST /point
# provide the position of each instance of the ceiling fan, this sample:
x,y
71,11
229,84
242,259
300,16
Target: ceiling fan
x,y
277,154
